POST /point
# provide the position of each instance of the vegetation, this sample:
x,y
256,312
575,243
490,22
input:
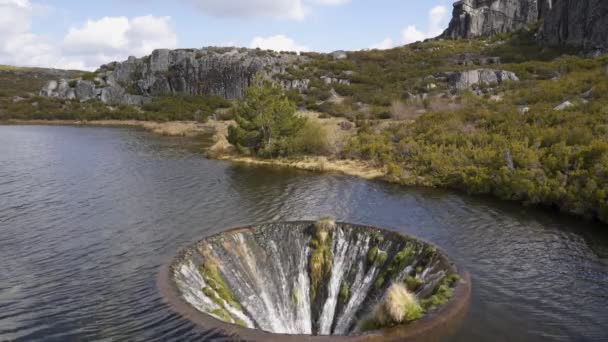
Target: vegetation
x,y
266,121
321,255
397,307
442,293
413,284
344,294
217,289
400,260
371,254
219,292
184,107
19,100
538,156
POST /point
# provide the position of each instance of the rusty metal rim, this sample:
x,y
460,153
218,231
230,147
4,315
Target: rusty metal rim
x,y
453,310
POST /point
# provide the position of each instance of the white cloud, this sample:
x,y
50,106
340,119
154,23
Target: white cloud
x,y
437,21
115,38
84,47
280,9
277,43
387,43
15,16
18,46
411,34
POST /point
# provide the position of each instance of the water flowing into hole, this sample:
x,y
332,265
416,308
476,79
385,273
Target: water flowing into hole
x,y
307,278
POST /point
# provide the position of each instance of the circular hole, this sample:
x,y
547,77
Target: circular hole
x,y
316,280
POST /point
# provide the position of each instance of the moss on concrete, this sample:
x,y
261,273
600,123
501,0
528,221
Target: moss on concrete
x,y
321,256
344,293
442,293
216,282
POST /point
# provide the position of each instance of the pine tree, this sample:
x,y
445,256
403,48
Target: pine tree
x,y
266,120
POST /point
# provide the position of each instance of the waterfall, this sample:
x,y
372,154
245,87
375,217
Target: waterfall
x,y
303,314
361,287
333,288
266,271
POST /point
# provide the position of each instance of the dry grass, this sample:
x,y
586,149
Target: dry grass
x,y
337,137
354,168
172,128
401,305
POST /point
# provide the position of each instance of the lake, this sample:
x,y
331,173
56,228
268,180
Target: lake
x,y
88,215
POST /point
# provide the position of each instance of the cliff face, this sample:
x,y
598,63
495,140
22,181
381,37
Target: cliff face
x,y
221,72
581,23
484,18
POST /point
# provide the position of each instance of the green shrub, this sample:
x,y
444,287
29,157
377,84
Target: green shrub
x,y
311,139
266,121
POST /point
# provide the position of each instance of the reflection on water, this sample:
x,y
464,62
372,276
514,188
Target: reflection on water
x,y
87,216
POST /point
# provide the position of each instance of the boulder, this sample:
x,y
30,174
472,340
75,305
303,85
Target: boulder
x,y
85,90
49,89
333,80
564,105
471,78
339,55
60,89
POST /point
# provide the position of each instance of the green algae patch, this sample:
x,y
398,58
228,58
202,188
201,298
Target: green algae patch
x,y
442,293
371,254
400,260
217,290
344,294
413,283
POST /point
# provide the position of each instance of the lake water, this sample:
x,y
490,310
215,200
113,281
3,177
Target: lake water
x,y
88,215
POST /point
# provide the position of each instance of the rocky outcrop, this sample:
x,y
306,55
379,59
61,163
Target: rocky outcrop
x,y
472,78
579,23
224,72
484,18
334,80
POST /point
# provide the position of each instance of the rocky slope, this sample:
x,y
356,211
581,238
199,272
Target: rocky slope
x,y
224,72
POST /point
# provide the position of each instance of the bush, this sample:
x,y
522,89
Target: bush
x,y
266,121
184,107
311,140
397,306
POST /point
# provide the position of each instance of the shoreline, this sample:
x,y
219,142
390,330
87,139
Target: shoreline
x,y
221,148
353,168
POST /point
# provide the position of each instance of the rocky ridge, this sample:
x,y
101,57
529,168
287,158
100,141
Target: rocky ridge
x,y
471,79
223,72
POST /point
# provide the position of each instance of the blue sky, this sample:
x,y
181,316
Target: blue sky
x,y
84,34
